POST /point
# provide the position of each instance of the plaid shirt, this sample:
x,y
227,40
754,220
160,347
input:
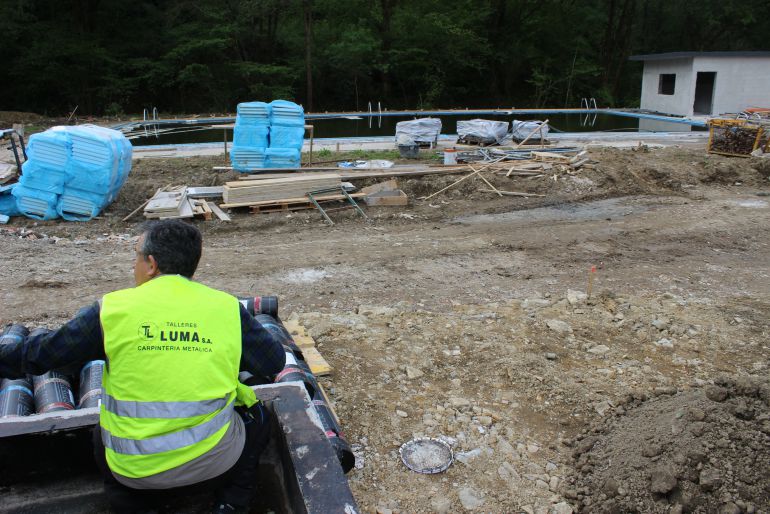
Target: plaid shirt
x,y
81,340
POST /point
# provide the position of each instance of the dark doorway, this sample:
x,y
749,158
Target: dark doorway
x,y
704,92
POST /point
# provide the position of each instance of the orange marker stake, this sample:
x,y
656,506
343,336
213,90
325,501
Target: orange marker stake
x,y
591,280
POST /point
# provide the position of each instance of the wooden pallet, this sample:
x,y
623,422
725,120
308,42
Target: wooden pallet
x,y
281,207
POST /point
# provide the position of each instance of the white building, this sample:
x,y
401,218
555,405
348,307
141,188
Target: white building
x,y
705,83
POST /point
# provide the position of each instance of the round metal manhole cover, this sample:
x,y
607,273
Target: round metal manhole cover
x,y
426,455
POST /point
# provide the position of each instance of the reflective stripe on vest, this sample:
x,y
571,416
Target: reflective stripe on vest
x,y
162,410
168,442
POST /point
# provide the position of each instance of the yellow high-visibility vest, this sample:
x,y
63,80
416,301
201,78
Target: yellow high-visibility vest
x,y
173,351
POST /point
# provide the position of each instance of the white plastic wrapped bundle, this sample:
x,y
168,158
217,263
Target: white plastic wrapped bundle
x,y
421,131
484,131
521,129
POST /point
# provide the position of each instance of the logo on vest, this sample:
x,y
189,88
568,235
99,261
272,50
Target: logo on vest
x,y
172,336
148,330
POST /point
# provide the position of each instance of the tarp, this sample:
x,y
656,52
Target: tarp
x,y
521,129
423,130
486,131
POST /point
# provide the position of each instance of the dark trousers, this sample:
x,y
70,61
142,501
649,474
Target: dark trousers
x,y
235,486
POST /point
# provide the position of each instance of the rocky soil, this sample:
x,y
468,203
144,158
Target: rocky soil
x,y
467,317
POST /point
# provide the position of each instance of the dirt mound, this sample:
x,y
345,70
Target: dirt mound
x,y
704,450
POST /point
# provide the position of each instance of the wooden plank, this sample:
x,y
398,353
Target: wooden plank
x,y
509,193
219,213
329,403
304,341
298,199
294,327
390,185
412,172
291,179
316,362
387,198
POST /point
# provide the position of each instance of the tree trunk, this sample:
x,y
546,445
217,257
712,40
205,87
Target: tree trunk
x,y
309,52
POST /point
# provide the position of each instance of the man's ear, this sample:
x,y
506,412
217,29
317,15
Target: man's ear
x,y
153,269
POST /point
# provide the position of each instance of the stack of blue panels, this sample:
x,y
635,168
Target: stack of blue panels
x,y
72,172
268,135
287,132
250,136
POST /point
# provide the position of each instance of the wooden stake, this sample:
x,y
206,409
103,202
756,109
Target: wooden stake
x,y
591,280
487,182
487,165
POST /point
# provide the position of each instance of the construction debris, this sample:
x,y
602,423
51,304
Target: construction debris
x,y
737,138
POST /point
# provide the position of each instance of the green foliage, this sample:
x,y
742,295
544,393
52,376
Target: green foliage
x,y
209,55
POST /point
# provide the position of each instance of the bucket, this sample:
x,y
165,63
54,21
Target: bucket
x,y
450,156
409,151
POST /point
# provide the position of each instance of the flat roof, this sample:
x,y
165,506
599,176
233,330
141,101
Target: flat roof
x,y
690,55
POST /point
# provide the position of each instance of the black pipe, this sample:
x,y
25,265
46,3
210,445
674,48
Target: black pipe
x,y
334,433
53,392
90,390
260,305
16,398
13,334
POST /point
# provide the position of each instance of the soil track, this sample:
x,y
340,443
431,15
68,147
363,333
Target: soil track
x,y
466,316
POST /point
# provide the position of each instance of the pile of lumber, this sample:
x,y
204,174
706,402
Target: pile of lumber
x,y
176,203
290,189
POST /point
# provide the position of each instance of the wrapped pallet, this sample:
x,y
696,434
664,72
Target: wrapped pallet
x,y
482,131
423,131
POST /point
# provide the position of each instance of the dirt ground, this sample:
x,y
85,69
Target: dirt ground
x,y
466,317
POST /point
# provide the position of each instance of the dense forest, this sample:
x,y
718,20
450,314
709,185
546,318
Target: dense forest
x,y
121,56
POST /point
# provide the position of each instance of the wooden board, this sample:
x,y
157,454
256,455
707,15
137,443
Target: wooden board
x,y
299,199
219,213
389,185
406,172
316,362
314,359
387,198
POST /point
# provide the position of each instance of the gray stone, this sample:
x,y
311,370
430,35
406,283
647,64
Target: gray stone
x,y
412,372
575,297
507,472
535,303
459,402
553,483
550,356
557,325
716,394
664,342
610,487
660,324
441,505
470,499
662,480
599,349
467,457
542,484
710,479
401,413
561,508
729,508
373,310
